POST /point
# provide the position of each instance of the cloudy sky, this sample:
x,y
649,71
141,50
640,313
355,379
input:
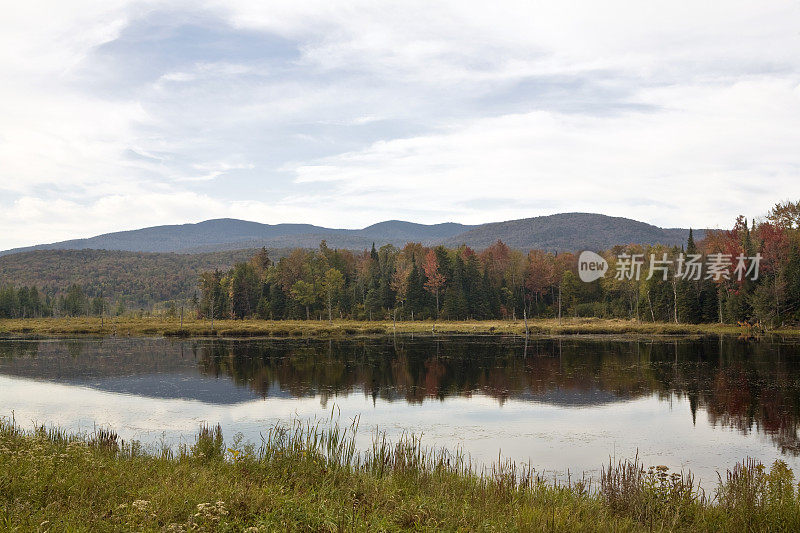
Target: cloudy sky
x,y
117,115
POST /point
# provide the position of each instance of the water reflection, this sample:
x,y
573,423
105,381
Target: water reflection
x,y
747,387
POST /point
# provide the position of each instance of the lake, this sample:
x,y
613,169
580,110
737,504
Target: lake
x,y
562,404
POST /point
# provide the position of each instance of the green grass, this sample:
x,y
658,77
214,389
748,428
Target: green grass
x,y
311,478
338,328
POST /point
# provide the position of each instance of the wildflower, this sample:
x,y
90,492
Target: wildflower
x,y
140,505
211,511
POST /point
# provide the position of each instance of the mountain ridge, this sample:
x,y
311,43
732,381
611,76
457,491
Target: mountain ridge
x,y
557,233
585,231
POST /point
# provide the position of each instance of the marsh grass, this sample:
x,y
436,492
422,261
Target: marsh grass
x,y
652,495
342,328
311,477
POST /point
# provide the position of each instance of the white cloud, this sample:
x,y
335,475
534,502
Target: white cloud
x,y
470,38
351,112
708,151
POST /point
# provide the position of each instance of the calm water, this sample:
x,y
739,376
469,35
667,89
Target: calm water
x,y
560,404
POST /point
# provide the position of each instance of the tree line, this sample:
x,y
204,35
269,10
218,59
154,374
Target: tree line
x,y
30,302
418,282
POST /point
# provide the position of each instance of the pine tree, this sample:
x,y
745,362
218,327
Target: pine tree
x,y
473,288
417,299
276,300
372,303
455,306
245,290
689,290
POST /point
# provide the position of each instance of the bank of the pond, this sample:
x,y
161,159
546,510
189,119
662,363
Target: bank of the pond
x,y
340,328
304,478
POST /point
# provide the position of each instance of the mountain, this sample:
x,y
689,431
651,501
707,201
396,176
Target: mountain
x,y
570,232
178,237
233,234
400,230
396,232
116,265
561,232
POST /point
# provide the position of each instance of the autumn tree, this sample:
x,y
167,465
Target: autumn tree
x,y
564,264
304,293
416,293
785,215
435,279
213,300
540,274
514,279
496,260
332,284
776,245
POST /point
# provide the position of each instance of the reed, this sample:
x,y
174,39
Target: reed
x,y
311,476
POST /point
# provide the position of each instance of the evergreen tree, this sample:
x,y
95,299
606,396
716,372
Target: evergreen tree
x,y
473,288
276,300
372,303
455,305
23,303
8,302
36,303
792,275
75,303
417,297
245,289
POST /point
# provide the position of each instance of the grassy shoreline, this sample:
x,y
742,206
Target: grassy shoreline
x,y
308,478
339,328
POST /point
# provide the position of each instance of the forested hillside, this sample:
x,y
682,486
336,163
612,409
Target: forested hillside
x,y
555,233
136,279
424,281
567,232
748,274
232,234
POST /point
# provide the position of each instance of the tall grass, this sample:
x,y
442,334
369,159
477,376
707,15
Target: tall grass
x,y
311,476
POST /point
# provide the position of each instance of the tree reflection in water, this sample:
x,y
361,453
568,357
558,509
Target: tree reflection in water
x,y
749,386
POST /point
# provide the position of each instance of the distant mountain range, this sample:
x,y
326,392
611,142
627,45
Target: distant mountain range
x,y
555,233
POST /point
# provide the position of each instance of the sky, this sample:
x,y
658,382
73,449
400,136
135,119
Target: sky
x,y
118,115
